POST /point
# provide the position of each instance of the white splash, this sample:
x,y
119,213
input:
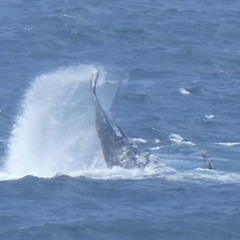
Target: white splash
x,y
156,148
138,140
184,91
55,129
210,117
180,140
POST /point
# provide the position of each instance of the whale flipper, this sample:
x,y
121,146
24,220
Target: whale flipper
x,y
207,160
116,149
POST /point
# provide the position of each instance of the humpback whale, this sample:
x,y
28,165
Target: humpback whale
x,y
117,150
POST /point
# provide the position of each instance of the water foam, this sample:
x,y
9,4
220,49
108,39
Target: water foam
x,y
201,175
184,91
54,131
180,140
228,144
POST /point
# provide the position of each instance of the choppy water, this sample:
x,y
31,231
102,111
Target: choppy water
x,y
179,65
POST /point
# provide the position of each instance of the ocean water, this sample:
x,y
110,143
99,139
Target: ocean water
x,y
179,67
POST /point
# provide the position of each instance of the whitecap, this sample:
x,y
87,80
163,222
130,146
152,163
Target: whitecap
x,y
180,140
204,175
155,148
228,144
139,140
184,91
211,116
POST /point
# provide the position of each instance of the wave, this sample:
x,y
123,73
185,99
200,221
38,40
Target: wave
x,y
184,91
201,176
139,140
228,144
210,117
180,140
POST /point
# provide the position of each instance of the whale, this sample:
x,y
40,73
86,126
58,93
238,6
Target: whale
x,y
117,149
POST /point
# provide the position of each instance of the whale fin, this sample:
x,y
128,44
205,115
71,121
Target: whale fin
x,y
105,92
114,126
207,160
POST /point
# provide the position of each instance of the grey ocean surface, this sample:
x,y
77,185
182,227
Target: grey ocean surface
x,y
179,62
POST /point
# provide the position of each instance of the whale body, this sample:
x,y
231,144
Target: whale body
x,y
117,150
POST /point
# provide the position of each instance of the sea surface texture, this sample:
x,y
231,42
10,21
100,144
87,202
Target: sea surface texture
x,y
179,65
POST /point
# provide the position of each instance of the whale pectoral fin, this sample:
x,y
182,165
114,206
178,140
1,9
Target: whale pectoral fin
x,y
207,160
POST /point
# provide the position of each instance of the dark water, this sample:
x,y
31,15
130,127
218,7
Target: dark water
x,y
179,65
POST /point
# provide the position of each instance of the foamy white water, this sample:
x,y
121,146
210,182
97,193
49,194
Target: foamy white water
x,y
211,116
200,175
184,91
54,131
228,144
180,140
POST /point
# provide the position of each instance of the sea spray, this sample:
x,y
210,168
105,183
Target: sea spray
x,y
54,132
